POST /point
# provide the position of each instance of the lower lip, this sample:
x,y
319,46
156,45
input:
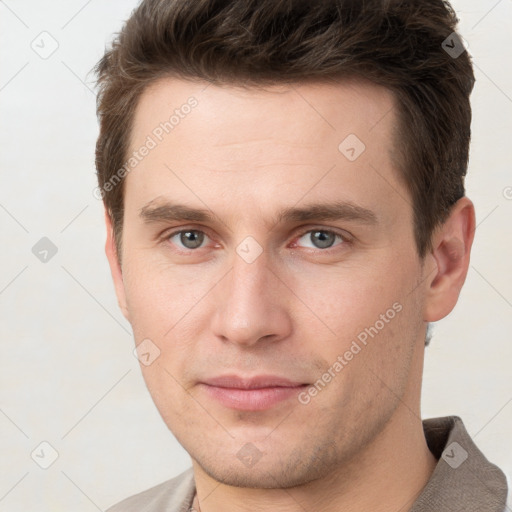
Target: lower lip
x,y
251,399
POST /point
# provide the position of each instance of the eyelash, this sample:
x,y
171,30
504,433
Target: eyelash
x,y
346,240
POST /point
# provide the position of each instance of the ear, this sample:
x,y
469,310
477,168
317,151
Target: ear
x,y
115,266
451,247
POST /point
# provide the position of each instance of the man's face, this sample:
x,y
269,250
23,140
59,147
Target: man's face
x,y
251,293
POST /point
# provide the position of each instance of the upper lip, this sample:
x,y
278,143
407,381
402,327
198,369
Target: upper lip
x,y
256,382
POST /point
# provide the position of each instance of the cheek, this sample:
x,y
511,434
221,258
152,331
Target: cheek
x,y
344,300
161,301
368,316
160,295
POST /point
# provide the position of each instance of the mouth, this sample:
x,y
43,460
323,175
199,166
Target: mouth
x,y
251,394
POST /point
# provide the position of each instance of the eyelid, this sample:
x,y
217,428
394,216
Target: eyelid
x,y
166,235
347,237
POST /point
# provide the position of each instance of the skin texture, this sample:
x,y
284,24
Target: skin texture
x,y
358,444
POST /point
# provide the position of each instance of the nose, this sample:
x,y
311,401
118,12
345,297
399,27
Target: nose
x,y
252,304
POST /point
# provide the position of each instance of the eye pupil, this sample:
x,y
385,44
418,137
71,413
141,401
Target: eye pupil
x,y
323,239
194,242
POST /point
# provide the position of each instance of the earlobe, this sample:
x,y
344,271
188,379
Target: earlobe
x,y
115,266
451,247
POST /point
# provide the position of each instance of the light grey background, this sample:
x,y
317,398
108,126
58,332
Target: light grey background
x,y
67,372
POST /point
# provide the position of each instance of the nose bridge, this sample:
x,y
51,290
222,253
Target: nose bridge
x,y
248,295
249,281
249,308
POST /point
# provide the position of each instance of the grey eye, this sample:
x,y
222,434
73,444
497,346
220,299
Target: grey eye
x,y
322,239
190,239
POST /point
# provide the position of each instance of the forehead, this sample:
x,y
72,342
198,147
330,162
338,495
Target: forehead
x,y
329,107
313,138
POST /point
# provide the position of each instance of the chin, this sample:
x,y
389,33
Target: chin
x,y
256,479
266,474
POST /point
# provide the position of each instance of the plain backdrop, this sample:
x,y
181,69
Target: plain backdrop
x,y
68,376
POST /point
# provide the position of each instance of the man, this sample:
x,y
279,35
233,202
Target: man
x,y
284,193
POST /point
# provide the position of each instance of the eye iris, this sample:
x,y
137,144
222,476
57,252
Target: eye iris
x,y
194,242
320,238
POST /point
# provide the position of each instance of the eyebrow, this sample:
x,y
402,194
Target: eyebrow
x,y
337,210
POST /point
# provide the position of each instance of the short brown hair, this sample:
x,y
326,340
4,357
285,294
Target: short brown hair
x,y
403,45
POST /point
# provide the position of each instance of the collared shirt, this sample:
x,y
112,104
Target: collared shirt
x,y
462,481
